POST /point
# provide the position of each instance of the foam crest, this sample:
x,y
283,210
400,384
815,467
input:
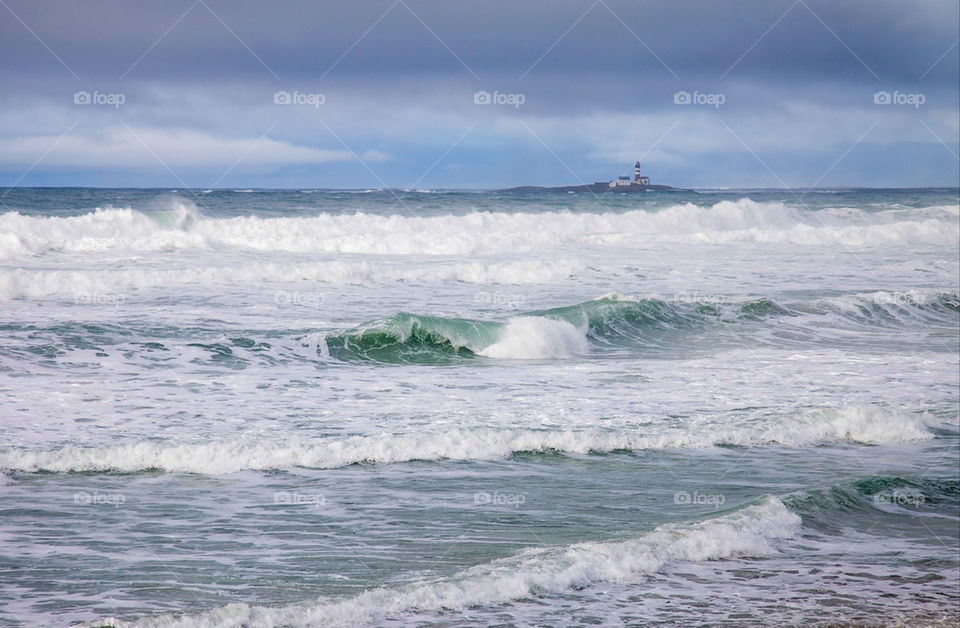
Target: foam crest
x,y
537,338
867,425
476,233
913,298
751,531
105,229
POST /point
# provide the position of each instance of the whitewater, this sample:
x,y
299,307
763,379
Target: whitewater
x,y
415,408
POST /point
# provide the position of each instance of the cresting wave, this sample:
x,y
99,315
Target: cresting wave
x,y
408,338
750,531
611,321
865,425
182,227
542,334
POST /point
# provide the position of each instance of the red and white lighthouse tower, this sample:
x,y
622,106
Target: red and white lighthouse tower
x,y
636,172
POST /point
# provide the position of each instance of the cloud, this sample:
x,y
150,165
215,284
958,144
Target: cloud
x,y
299,39
801,79
152,148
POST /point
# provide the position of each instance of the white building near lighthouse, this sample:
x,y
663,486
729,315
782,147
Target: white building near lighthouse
x,y
622,182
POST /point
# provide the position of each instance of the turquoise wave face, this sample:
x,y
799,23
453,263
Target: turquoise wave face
x,y
891,503
409,338
896,491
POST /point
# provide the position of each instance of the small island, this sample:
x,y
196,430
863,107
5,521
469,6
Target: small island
x,y
620,184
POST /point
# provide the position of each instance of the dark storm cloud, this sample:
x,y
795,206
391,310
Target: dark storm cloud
x,y
897,41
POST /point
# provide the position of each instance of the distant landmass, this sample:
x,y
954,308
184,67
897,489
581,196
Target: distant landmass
x,y
601,187
620,184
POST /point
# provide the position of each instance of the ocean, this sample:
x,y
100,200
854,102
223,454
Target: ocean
x,y
300,408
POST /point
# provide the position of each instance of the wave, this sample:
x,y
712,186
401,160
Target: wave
x,y
20,283
753,530
181,226
831,510
611,326
408,338
554,333
890,310
864,425
613,320
810,521
103,230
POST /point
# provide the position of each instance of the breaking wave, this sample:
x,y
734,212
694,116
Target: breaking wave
x,y
750,531
182,227
866,425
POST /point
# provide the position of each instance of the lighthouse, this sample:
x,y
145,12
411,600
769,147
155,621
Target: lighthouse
x,y
625,182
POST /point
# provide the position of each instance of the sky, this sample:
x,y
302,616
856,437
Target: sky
x,y
478,94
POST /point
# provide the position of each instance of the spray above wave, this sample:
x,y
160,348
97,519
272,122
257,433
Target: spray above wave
x,y
182,227
865,425
751,531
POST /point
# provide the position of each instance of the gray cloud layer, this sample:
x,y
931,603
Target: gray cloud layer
x,y
598,80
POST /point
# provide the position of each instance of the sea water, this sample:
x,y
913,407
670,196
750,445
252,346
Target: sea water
x,y
437,408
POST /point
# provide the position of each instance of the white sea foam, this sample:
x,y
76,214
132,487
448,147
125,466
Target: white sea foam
x,y
537,338
477,233
867,425
751,531
28,283
907,298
